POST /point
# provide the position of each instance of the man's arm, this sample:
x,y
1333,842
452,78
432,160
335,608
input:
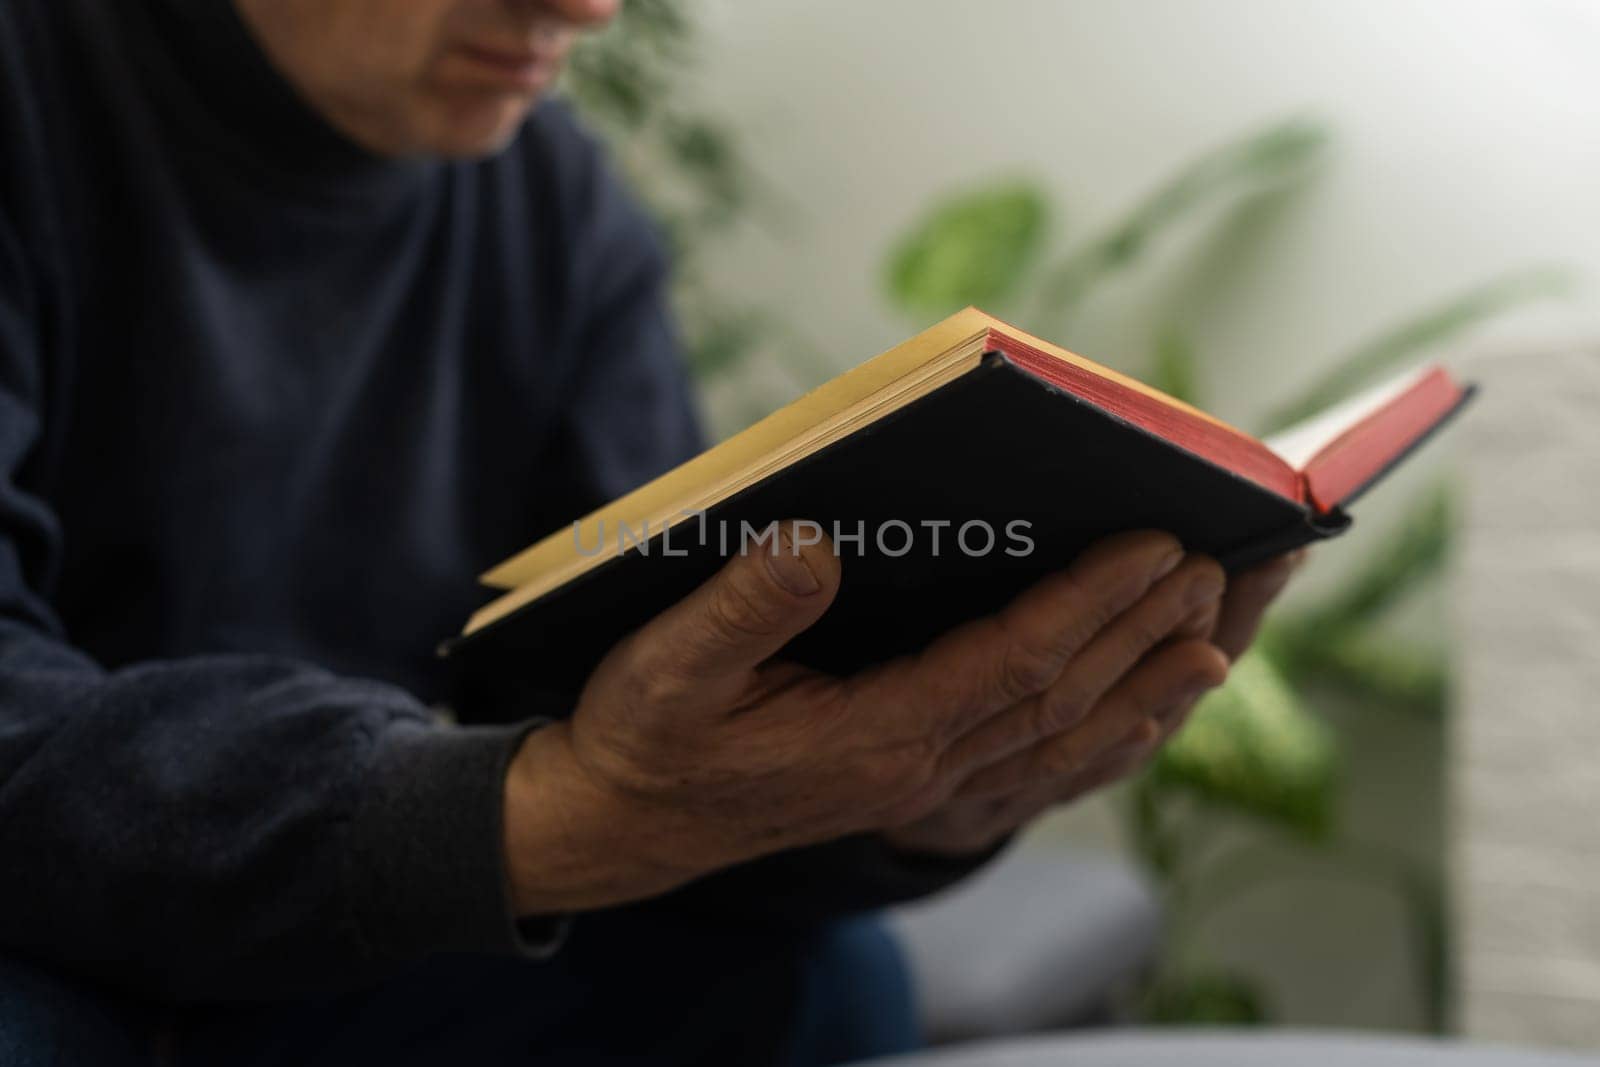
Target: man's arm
x,y
223,826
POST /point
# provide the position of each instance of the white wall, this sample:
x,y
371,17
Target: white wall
x,y
1468,144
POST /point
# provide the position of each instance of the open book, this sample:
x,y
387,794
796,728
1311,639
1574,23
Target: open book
x,y
950,471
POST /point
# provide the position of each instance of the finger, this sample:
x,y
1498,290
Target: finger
x,y
747,611
1249,594
1183,604
1012,813
1110,769
1123,759
1130,713
992,663
1009,813
1175,718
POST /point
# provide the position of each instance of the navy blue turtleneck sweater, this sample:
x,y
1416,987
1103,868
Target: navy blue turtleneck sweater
x,y
267,405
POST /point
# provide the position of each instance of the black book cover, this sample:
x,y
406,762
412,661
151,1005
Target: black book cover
x,y
997,446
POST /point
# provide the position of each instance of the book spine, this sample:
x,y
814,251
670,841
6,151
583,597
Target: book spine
x,y
1314,527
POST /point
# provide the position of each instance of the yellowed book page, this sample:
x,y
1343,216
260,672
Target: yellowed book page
x,y
929,377
737,459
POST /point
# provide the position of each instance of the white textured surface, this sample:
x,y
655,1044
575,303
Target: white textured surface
x,y
1527,733
1232,1048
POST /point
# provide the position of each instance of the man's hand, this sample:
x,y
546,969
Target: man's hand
x,y
1112,740
691,750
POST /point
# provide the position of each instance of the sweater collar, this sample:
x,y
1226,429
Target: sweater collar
x,y
253,113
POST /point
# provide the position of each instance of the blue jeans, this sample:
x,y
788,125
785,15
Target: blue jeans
x,y
856,997
854,1001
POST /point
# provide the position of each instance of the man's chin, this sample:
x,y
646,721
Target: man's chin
x,y
477,131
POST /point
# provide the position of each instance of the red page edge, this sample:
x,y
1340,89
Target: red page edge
x,y
1357,457
1218,444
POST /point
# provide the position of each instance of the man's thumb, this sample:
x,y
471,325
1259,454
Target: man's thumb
x,y
770,592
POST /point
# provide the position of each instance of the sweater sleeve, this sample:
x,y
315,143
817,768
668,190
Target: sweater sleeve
x,y
224,826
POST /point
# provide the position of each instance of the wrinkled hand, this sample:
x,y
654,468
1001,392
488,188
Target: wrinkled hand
x,y
1125,727
692,749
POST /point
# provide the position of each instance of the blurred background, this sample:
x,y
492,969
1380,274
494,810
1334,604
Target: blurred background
x,y
1387,819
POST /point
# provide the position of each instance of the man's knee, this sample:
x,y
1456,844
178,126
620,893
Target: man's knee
x,y
50,1021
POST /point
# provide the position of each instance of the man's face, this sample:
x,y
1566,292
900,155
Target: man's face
x,y
422,77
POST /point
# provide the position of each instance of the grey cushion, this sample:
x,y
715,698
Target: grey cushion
x,y
1222,1048
1034,942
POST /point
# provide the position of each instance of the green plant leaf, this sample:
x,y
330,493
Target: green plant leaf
x,y
1415,550
1379,671
973,248
620,78
1334,642
1176,367
1254,747
1267,161
1211,998
721,339
702,147
1410,338
1425,896
1369,667
633,83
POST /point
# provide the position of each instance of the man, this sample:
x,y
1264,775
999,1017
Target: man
x,y
306,315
